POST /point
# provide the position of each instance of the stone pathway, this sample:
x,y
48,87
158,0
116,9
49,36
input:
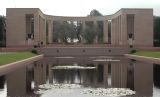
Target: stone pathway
x,y
2,53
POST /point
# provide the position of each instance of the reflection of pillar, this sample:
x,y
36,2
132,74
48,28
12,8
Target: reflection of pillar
x,y
50,31
39,74
2,81
143,78
16,83
105,31
130,75
119,75
100,73
105,75
50,73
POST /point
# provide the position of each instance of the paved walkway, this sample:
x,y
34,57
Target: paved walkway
x,y
2,53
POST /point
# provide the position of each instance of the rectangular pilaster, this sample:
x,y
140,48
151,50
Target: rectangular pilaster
x,y
105,31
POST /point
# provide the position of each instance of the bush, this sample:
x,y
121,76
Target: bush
x,y
2,44
132,51
34,51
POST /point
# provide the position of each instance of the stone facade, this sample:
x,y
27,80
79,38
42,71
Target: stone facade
x,y
27,27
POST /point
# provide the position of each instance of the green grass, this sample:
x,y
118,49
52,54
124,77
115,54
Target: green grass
x,y
12,57
148,54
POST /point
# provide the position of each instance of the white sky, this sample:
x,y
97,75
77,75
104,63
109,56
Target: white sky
x,y
79,7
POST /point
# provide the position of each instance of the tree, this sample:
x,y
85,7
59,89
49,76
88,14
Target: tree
x,y
95,12
156,31
89,35
2,31
64,32
98,31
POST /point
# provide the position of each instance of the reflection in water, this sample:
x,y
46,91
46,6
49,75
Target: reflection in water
x,y
126,73
130,75
157,75
2,81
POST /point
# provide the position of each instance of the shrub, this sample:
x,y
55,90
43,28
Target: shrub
x,y
34,51
132,51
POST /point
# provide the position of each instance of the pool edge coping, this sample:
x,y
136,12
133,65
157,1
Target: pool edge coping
x,y
34,58
143,58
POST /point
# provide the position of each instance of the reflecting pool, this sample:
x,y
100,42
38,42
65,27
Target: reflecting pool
x,y
86,72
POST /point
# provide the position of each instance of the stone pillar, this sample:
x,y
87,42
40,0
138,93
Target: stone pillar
x,y
120,29
83,29
36,29
95,28
119,32
105,31
124,29
50,31
116,31
113,32
42,29
105,75
50,73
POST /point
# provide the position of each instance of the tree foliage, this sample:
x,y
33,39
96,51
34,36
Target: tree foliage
x,y
95,12
64,31
2,31
156,31
99,28
89,34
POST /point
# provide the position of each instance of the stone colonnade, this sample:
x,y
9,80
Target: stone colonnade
x,y
118,29
83,21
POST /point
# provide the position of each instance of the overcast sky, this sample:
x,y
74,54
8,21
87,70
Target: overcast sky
x,y
79,7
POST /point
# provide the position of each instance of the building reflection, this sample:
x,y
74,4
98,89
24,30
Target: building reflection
x,y
131,74
2,81
19,82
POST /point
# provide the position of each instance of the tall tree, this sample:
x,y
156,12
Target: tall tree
x,y
98,31
156,31
64,32
95,12
89,34
2,31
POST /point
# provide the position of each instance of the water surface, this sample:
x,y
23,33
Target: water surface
x,y
139,76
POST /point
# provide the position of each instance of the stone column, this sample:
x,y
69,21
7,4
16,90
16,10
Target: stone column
x,y
83,29
124,29
36,29
50,31
95,28
113,32
105,31
120,29
42,31
116,31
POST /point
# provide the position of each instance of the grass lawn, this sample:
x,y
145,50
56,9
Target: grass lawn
x,y
154,54
12,57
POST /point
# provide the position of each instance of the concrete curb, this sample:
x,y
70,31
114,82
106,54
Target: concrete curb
x,y
11,66
143,58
